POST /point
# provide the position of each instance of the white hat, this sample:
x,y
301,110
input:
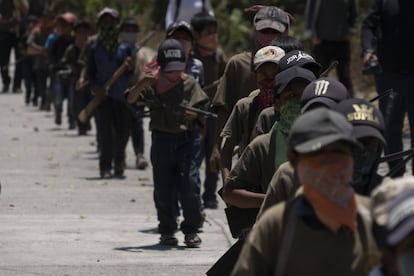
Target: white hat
x,y
267,54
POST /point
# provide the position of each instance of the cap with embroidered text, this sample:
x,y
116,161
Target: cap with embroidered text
x,y
171,56
318,128
323,92
301,59
364,116
270,17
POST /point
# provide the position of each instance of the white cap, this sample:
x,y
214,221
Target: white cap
x,y
267,54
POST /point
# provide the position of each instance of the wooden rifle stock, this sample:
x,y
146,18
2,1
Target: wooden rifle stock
x,y
100,95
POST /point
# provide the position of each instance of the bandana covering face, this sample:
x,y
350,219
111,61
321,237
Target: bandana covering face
x,y
288,114
108,38
326,185
265,96
166,81
365,160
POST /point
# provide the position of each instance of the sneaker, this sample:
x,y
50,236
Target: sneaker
x,y
141,163
192,241
106,174
168,240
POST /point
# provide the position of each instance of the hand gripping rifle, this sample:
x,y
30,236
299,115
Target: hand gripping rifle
x,y
100,95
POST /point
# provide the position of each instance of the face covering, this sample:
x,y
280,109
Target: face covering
x,y
364,161
326,181
288,113
405,263
166,81
108,37
128,38
266,93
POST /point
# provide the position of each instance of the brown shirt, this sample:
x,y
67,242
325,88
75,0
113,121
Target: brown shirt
x,y
237,82
265,121
310,250
165,112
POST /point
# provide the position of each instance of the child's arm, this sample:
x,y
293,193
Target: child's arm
x,y
136,89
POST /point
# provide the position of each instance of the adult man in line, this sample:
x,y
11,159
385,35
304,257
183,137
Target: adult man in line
x,y
386,38
331,25
327,216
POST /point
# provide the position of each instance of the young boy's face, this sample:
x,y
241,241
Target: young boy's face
x,y
207,38
292,90
81,37
63,28
266,71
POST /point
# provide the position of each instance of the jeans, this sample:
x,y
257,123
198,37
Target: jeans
x,y
395,110
137,131
211,179
63,88
171,157
41,85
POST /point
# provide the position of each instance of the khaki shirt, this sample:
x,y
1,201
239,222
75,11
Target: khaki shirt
x,y
166,116
237,128
237,82
310,251
256,165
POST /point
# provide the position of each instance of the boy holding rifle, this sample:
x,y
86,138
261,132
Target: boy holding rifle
x,y
175,138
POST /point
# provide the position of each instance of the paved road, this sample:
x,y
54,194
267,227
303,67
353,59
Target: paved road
x,y
58,218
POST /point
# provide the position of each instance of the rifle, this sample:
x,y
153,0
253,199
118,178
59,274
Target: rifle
x,y
329,69
197,111
100,95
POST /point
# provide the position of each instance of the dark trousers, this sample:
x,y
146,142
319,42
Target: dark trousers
x,y
7,41
211,179
171,157
29,79
114,129
41,85
327,51
394,111
81,99
137,130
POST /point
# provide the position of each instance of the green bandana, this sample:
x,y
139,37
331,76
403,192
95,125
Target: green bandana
x,y
109,39
288,114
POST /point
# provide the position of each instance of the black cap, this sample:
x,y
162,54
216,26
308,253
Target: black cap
x,y
324,91
180,25
82,24
171,56
129,21
301,59
270,17
400,223
364,116
282,79
318,128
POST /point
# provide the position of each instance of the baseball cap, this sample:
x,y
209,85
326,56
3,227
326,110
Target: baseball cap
x,y
68,17
129,21
171,56
324,91
400,222
282,79
82,24
364,116
270,17
267,54
109,11
318,128
180,25
301,59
